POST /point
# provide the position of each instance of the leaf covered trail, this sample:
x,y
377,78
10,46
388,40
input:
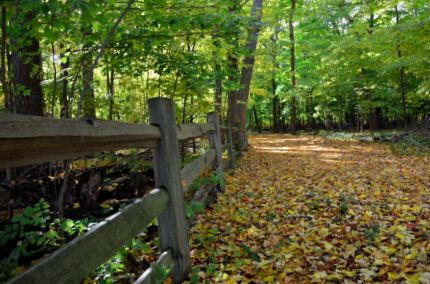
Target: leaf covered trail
x,y
299,209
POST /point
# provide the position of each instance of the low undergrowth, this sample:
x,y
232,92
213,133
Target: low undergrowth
x,y
400,142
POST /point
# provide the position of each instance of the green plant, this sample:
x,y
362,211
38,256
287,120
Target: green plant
x,y
33,232
412,144
114,265
159,273
193,207
344,201
215,178
372,232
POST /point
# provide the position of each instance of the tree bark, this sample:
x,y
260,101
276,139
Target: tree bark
x,y
293,121
26,65
275,118
248,65
88,88
402,84
233,71
110,77
218,79
275,100
8,102
54,85
64,100
257,123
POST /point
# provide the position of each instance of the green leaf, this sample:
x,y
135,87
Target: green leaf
x,y
249,252
159,273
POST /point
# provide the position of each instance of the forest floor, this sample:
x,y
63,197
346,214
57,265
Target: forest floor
x,y
302,209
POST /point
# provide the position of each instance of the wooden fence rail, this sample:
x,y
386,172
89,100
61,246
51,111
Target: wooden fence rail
x,y
26,140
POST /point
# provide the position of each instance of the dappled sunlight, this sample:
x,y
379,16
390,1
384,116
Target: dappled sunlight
x,y
316,148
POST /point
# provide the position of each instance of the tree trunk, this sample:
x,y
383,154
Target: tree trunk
x,y
218,78
88,105
110,77
26,65
257,123
8,102
248,65
275,100
233,70
64,100
275,118
54,85
293,121
402,85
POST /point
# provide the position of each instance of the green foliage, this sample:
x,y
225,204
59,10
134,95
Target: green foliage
x,y
35,231
159,273
117,265
372,232
193,208
215,179
347,64
413,144
344,202
105,272
249,252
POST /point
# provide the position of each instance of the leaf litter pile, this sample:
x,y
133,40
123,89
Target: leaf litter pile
x,y
299,209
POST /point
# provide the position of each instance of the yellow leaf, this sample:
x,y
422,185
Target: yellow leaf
x,y
318,276
392,276
328,246
414,279
263,264
347,273
412,255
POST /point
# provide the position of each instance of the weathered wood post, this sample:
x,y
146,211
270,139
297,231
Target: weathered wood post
x,y
171,223
215,142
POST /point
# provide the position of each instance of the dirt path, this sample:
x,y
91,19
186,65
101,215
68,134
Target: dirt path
x,y
299,209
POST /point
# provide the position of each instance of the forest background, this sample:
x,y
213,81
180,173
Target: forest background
x,y
332,64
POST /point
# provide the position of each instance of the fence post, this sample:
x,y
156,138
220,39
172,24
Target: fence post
x,y
215,142
171,223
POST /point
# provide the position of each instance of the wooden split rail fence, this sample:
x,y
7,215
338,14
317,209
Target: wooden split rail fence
x,y
28,140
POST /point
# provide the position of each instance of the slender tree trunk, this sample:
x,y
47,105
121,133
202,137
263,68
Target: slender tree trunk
x,y
218,79
184,109
275,118
88,88
26,65
275,100
248,65
194,144
110,76
402,84
64,66
293,121
232,94
112,92
54,85
233,72
175,85
8,103
257,123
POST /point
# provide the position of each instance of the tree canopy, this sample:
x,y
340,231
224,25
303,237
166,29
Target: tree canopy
x,y
357,64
